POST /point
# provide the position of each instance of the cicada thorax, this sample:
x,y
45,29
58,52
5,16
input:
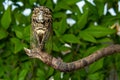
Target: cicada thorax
x,y
41,26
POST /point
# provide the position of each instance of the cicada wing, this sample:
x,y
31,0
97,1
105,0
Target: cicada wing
x,y
48,45
48,42
33,40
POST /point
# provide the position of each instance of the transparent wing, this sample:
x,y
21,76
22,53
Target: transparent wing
x,y
48,41
33,40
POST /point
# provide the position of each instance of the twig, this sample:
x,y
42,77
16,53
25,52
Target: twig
x,y
66,67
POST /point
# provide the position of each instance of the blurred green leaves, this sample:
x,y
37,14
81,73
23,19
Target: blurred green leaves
x,y
70,38
17,46
83,38
71,2
96,66
93,32
6,18
83,19
3,33
96,76
99,31
22,74
22,32
40,74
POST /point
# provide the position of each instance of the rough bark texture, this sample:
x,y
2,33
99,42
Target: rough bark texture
x,y
66,67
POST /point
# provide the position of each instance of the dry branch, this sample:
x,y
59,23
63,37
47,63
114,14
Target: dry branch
x,y
66,67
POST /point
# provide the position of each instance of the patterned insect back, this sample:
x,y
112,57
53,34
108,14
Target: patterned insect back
x,y
41,28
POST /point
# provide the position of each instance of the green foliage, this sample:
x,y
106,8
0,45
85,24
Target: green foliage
x,y
3,33
6,18
22,74
90,32
70,38
83,19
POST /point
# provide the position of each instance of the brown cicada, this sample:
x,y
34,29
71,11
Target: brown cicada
x,y
41,31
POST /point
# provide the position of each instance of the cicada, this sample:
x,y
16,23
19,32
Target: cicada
x,y
41,31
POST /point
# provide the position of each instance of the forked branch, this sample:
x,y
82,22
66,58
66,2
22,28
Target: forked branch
x,y
66,67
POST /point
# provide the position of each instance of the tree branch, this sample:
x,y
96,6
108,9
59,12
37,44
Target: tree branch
x,y
66,67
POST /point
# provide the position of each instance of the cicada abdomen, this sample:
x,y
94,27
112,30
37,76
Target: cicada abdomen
x,y
41,28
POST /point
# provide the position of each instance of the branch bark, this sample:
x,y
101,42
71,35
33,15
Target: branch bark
x,y
66,67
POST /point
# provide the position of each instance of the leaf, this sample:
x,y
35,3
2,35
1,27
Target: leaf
x,y
66,76
90,50
32,1
41,74
88,6
50,72
26,33
42,1
1,5
58,15
92,10
3,33
21,18
55,47
68,58
64,48
1,68
100,6
71,2
105,40
49,3
57,76
60,27
98,31
63,26
87,37
96,66
6,18
22,74
2,45
96,76
19,34
70,38
61,5
83,19
15,71
17,45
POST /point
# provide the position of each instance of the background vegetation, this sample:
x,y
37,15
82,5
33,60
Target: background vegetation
x,y
90,32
